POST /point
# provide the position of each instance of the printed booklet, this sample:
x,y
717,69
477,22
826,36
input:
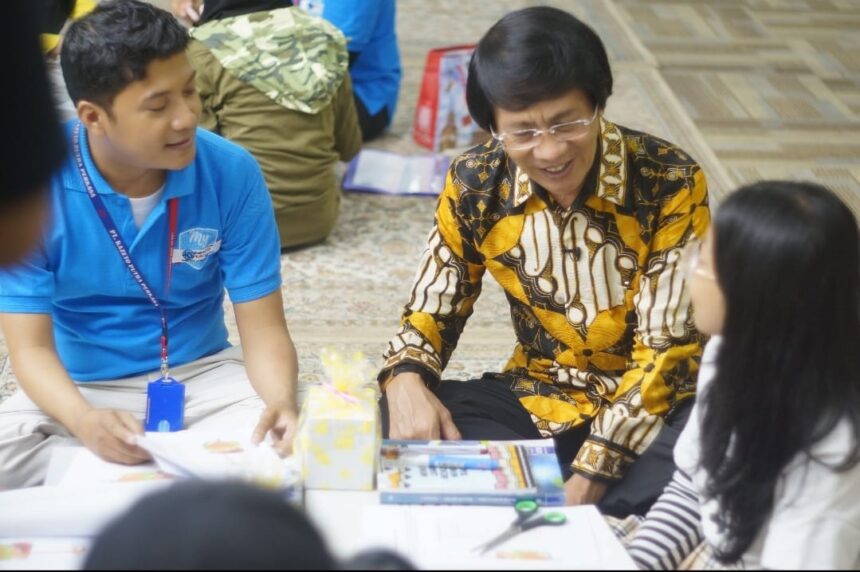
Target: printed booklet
x,y
470,472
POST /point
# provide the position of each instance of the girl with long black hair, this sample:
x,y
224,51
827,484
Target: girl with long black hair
x,y
769,463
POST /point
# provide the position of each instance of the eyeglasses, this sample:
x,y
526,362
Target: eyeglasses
x,y
690,258
522,139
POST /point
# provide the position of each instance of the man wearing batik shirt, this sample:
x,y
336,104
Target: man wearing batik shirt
x,y
582,223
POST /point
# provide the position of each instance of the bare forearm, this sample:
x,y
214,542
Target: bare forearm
x,y
107,432
270,356
272,365
43,378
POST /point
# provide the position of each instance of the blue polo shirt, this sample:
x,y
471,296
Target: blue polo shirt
x,y
104,326
369,27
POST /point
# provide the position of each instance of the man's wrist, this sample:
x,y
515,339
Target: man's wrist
x,y
281,403
592,477
72,417
427,377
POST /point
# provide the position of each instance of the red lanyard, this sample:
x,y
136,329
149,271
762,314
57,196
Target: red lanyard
x,y
116,239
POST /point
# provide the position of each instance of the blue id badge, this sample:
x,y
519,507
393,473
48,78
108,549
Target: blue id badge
x,y
165,405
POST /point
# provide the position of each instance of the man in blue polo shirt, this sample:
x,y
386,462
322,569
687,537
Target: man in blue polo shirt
x,y
192,213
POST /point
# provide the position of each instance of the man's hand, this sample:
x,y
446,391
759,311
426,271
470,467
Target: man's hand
x,y
110,434
579,490
279,419
415,413
187,10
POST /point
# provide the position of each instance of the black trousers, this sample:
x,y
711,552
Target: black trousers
x,y
372,126
487,408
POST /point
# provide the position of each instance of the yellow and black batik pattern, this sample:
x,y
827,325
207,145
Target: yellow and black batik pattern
x,y
598,301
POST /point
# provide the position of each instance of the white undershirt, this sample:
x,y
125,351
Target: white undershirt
x,y
141,207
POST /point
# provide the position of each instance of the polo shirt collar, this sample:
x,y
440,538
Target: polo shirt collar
x,y
177,184
611,183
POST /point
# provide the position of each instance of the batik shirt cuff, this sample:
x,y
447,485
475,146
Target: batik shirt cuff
x,y
602,460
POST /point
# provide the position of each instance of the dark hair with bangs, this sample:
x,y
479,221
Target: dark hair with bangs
x,y
787,259
534,55
111,47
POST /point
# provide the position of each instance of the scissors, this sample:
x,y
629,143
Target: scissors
x,y
527,519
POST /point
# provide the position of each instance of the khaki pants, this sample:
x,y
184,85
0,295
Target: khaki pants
x,y
217,394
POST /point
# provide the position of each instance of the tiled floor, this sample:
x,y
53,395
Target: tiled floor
x,y
773,86
750,88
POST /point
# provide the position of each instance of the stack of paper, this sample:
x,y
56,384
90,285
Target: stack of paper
x,y
219,456
51,526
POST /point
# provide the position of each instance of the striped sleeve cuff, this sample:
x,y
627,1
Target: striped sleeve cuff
x,y
672,529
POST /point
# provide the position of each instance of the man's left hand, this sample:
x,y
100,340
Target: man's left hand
x,y
579,490
281,420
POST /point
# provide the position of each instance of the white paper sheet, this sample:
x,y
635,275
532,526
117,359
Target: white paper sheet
x,y
445,537
219,455
85,468
43,553
78,510
86,492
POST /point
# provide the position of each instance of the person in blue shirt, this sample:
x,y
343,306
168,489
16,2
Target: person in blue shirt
x,y
192,213
374,58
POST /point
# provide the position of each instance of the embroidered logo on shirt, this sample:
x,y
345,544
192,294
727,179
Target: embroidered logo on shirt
x,y
195,246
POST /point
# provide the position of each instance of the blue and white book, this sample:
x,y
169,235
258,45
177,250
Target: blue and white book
x,y
470,472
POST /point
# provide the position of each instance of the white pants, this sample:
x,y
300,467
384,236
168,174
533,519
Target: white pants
x,y
217,394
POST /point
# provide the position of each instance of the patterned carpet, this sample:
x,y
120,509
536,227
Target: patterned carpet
x,y
750,88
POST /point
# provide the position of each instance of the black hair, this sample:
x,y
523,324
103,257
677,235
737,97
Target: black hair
x,y
787,261
533,55
220,9
197,525
111,47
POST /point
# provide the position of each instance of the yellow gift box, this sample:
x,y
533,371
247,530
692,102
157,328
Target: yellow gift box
x,y
340,434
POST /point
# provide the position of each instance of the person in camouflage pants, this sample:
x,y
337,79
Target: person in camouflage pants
x,y
275,81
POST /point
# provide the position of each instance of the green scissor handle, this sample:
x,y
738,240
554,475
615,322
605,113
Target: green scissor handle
x,y
549,519
525,509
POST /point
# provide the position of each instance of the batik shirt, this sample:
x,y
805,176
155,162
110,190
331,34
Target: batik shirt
x,y
598,301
